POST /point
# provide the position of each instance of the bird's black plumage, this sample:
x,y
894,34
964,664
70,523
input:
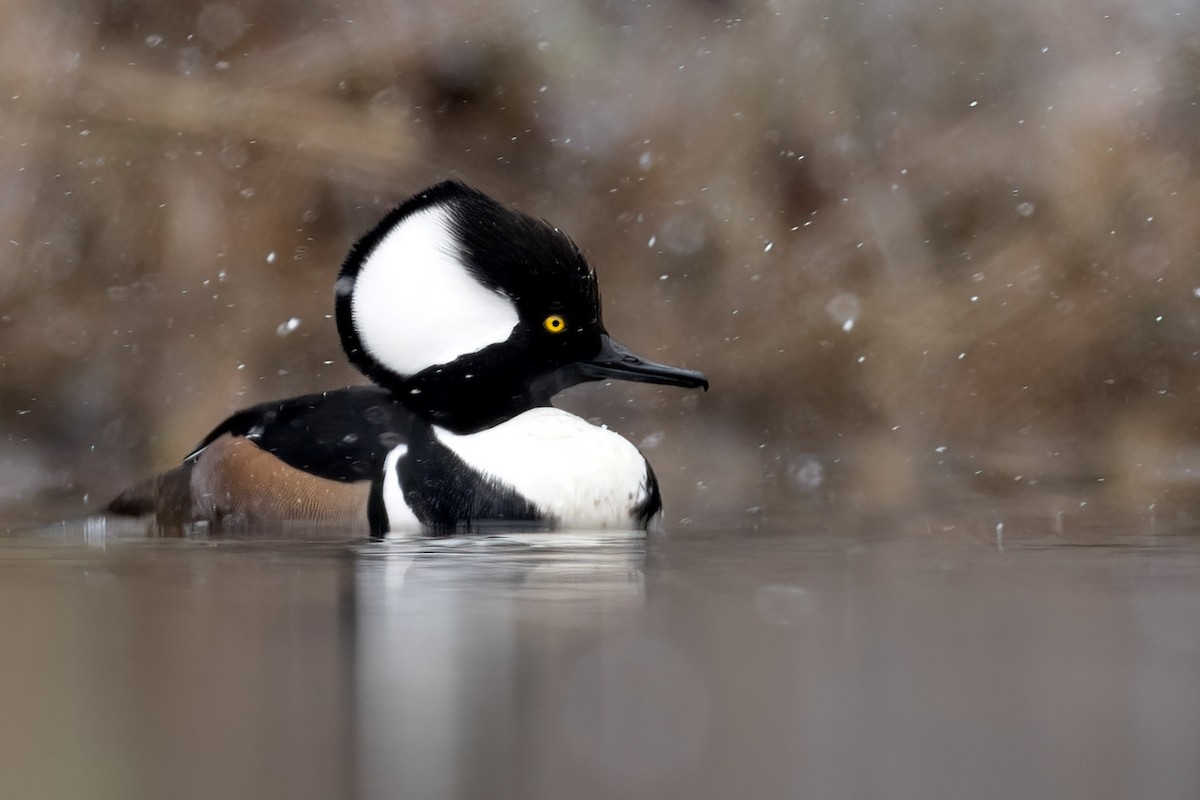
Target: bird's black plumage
x,y
342,435
530,262
448,495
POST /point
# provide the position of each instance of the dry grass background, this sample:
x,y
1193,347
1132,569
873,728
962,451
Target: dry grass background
x,y
1001,196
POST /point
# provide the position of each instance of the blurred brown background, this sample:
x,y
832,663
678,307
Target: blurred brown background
x,y
923,249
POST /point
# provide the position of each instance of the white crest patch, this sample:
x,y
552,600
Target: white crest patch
x,y
582,475
400,516
416,305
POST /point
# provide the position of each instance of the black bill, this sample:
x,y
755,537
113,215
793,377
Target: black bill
x,y
615,362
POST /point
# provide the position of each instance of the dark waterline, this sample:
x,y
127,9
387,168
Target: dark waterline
x,y
958,654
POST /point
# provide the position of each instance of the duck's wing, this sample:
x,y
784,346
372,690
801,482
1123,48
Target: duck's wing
x,y
305,458
341,435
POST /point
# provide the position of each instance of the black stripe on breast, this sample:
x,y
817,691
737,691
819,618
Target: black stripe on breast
x,y
645,512
447,495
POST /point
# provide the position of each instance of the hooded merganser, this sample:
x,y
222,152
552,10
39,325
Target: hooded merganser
x,y
469,316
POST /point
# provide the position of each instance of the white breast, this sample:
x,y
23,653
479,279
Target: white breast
x,y
400,516
581,475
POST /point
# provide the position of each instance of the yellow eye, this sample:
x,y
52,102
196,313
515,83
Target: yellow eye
x,y
554,324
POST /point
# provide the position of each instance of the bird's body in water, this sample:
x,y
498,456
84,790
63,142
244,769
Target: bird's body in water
x,y
469,317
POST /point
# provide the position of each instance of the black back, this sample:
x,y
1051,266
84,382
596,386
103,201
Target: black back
x,y
342,435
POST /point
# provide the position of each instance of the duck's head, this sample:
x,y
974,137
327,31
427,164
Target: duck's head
x,y
473,312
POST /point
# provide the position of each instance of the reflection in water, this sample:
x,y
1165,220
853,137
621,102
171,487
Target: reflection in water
x,y
440,660
848,656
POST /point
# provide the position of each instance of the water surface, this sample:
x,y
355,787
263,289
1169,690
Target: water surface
x,y
953,654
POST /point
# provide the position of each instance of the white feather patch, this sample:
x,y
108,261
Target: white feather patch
x,y
581,475
400,516
415,304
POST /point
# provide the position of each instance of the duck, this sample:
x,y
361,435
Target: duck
x,y
468,317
